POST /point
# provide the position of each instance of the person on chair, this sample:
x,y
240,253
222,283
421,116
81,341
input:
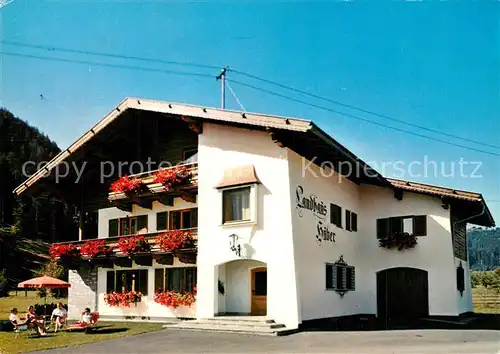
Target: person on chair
x,y
59,316
33,320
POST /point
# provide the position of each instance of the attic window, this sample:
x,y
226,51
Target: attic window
x,y
238,176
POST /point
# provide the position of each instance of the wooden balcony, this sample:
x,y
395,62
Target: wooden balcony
x,y
155,191
186,255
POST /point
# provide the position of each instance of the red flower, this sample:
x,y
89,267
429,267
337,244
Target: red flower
x,y
133,244
172,240
175,299
171,177
95,248
126,184
122,299
63,250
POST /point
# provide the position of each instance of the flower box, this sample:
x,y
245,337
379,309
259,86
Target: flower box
x,y
123,299
124,262
400,241
188,258
171,178
127,185
172,240
133,244
165,259
145,259
175,299
95,248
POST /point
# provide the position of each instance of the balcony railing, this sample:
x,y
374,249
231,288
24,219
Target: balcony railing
x,y
154,189
150,238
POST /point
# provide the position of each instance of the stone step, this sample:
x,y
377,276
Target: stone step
x,y
241,319
227,329
230,323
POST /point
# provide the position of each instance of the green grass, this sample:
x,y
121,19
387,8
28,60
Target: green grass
x,y
105,330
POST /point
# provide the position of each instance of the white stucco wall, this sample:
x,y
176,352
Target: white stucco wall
x,y
269,240
147,307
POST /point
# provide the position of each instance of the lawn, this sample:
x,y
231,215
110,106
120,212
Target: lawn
x,y
105,330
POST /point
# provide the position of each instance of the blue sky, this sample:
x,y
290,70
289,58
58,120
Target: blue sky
x,y
436,65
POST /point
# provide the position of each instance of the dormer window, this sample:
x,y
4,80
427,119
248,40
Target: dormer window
x,y
238,190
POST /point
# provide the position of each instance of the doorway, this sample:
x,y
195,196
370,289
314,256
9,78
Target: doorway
x,y
258,291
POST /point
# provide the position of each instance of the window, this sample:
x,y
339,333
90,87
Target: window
x,y
336,215
161,221
351,221
127,280
128,226
183,219
236,204
411,224
460,279
175,279
340,277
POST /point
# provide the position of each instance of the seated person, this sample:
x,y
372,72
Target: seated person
x,y
59,316
14,319
33,320
86,316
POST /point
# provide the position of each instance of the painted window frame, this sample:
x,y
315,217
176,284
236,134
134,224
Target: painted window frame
x,y
129,220
252,204
112,280
169,214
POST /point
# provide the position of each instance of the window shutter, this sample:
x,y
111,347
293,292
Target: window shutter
x,y
350,278
340,278
329,276
142,222
354,222
336,215
420,225
113,228
110,281
348,220
161,221
382,228
395,225
194,217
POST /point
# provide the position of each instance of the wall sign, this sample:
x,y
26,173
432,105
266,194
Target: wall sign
x,y
311,203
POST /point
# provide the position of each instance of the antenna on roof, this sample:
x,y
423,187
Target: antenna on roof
x,y
222,77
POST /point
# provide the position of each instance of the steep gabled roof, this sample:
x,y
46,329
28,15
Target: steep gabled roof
x,y
214,115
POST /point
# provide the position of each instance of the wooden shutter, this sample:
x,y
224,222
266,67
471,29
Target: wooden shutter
x,y
161,221
350,278
142,222
395,225
194,217
354,222
348,220
336,215
329,276
113,228
382,228
110,281
340,278
420,225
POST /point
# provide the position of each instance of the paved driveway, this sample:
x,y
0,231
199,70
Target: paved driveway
x,y
175,341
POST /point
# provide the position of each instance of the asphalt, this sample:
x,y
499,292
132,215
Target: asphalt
x,y
411,341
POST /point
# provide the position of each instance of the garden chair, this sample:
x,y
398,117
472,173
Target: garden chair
x,y
88,327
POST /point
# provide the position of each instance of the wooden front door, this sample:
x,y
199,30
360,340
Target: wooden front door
x,y
402,294
259,291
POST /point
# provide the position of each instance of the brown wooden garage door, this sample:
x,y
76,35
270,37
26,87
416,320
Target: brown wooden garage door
x,y
402,294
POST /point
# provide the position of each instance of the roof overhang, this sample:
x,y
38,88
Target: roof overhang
x,y
472,205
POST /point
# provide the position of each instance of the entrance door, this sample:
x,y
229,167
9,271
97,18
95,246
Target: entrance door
x,y
259,291
402,294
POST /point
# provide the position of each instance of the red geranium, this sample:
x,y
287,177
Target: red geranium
x,y
133,244
175,299
122,299
63,250
171,177
126,184
172,240
95,248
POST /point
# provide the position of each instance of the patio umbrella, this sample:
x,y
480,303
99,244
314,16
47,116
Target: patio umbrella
x,y
44,282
